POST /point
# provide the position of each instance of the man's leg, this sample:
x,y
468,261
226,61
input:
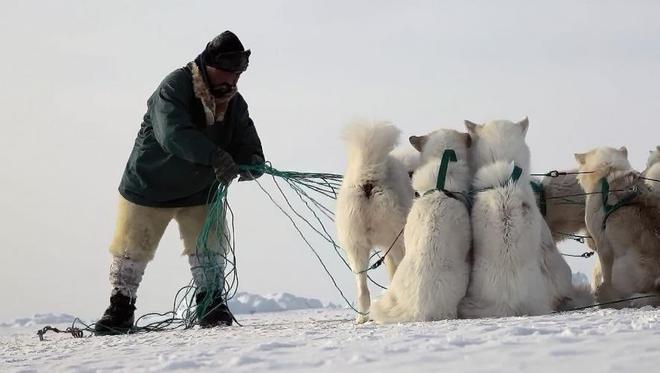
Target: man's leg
x,y
207,264
137,234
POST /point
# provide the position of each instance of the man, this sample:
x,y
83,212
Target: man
x,y
195,133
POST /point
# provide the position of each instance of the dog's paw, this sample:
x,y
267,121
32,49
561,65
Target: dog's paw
x,y
361,319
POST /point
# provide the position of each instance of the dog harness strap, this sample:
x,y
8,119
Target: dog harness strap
x,y
517,172
605,190
449,155
537,186
609,209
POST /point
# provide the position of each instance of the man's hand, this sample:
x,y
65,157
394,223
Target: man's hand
x,y
246,176
251,175
224,166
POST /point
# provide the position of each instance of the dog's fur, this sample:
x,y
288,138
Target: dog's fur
x,y
564,201
629,244
373,202
517,268
499,140
507,277
653,171
434,274
654,157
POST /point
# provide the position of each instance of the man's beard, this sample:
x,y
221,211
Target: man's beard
x,y
223,92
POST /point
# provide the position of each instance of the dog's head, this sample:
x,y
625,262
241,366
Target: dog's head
x,y
432,148
654,157
499,140
435,143
600,162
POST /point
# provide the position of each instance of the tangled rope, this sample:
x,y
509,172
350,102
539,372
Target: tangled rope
x,y
327,186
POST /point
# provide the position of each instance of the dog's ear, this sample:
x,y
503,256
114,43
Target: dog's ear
x,y
468,140
418,142
623,150
471,127
581,158
524,125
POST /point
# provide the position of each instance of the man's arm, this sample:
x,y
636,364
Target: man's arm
x,y
173,127
248,150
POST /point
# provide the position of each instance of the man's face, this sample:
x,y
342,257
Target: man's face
x,y
223,83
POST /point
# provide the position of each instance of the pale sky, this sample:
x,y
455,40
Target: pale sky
x,y
76,76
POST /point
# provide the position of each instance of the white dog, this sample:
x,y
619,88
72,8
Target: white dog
x,y
623,217
517,268
653,170
434,274
373,202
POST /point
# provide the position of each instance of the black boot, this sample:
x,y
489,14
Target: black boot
x,y
215,314
118,317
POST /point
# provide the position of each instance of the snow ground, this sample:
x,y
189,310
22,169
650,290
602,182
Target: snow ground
x,y
327,340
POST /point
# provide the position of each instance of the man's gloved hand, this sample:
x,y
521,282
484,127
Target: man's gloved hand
x,y
224,166
246,176
251,175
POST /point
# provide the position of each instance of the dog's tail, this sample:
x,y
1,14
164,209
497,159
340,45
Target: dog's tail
x,y
369,143
409,158
388,310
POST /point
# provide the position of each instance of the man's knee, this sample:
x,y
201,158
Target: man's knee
x,y
196,237
138,231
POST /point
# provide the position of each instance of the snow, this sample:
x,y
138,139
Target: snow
x,y
242,303
327,340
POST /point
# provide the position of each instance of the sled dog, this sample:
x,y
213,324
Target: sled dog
x,y
433,276
623,217
517,268
373,202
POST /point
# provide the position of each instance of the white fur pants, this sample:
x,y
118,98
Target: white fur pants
x,y
138,232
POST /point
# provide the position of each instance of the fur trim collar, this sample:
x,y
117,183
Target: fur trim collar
x,y
203,93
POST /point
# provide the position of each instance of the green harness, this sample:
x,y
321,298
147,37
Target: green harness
x,y
515,175
626,200
448,156
537,187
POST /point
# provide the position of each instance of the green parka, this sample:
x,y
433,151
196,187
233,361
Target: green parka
x,y
170,165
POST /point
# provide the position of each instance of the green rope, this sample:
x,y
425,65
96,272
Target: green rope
x,y
316,182
311,247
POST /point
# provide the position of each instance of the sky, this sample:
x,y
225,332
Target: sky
x,y
76,76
